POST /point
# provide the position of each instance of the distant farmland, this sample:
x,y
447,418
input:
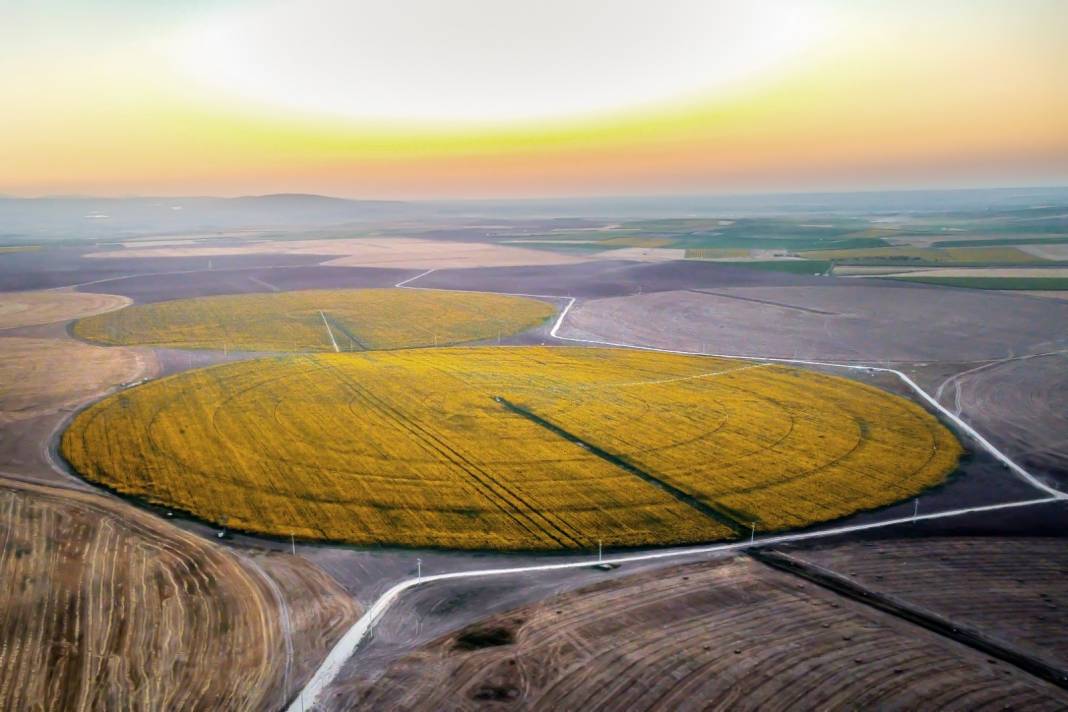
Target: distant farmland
x,y
521,448
316,320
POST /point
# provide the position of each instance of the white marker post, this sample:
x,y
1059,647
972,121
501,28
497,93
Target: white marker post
x,y
915,509
600,552
419,569
293,542
752,532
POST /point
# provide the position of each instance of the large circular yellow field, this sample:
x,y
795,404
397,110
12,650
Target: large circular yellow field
x,y
318,320
510,448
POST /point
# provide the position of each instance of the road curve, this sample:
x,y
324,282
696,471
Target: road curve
x,y
346,646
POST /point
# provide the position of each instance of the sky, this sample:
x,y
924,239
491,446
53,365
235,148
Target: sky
x,y
502,98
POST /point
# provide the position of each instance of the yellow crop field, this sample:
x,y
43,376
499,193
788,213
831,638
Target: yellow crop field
x,y
318,320
636,241
510,448
715,253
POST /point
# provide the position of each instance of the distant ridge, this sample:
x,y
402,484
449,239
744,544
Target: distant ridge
x,y
99,218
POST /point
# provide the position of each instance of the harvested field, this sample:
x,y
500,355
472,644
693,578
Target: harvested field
x,y
869,271
396,252
605,278
314,320
68,267
104,607
517,448
1047,252
840,320
1013,590
33,308
725,635
646,254
39,376
206,283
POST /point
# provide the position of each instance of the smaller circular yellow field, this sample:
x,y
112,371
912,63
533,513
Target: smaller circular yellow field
x,y
318,320
510,448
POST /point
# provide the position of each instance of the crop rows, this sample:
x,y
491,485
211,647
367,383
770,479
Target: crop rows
x,y
524,448
726,635
361,320
102,608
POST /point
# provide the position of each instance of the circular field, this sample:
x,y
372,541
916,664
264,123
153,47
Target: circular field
x,y
510,448
318,320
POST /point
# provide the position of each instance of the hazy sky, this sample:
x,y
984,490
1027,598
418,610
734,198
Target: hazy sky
x,y
471,98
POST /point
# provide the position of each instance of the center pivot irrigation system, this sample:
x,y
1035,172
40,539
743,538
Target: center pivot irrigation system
x,y
347,644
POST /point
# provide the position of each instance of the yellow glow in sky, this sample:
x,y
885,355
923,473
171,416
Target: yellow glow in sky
x,y
468,98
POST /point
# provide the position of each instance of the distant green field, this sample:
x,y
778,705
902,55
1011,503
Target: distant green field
x,y
763,233
1013,283
773,242
788,266
1003,241
905,255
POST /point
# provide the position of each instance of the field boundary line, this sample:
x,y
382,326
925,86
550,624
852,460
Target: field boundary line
x,y
260,282
347,644
412,279
329,331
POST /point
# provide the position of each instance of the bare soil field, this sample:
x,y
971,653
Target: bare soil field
x,y
19,309
1012,589
614,278
398,252
39,376
731,634
1025,402
841,322
205,283
105,607
66,267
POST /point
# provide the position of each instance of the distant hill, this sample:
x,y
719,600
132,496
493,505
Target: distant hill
x,y
104,218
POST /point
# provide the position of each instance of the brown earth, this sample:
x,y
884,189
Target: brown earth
x,y
723,635
398,252
842,321
105,607
1014,590
1023,401
39,376
33,308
